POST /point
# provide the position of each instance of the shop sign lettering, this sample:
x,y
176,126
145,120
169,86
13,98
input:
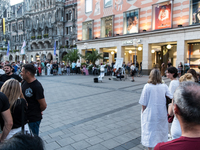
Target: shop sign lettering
x,y
128,42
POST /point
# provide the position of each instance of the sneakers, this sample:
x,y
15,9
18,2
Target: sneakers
x,y
132,80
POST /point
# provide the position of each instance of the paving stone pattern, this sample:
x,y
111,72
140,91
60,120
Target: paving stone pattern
x,y
83,115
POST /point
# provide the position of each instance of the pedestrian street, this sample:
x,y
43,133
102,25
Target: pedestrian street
x,y
85,115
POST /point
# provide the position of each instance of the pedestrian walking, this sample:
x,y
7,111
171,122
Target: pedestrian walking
x,y
34,94
132,71
154,122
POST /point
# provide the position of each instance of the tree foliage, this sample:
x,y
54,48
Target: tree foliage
x,y
93,57
72,55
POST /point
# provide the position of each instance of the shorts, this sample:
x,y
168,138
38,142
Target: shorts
x,y
54,70
132,73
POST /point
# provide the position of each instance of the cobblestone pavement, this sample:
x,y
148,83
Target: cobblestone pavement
x,y
85,115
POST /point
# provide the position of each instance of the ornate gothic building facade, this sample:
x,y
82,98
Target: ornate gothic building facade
x,y
41,23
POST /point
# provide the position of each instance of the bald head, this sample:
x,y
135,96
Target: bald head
x,y
187,98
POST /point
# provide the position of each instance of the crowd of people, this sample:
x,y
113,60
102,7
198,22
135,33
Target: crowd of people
x,y
170,117
22,103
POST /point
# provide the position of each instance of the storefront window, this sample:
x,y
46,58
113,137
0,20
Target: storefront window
x,y
131,21
88,6
162,16
107,26
87,30
194,12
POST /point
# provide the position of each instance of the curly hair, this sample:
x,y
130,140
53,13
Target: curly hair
x,y
186,77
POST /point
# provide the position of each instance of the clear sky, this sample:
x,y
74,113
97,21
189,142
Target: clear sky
x,y
13,2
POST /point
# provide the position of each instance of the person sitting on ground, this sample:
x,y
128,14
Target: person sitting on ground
x,y
119,73
9,74
17,101
194,74
186,107
23,142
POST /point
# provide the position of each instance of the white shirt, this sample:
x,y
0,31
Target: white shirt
x,y
132,67
175,128
2,72
154,123
78,64
173,86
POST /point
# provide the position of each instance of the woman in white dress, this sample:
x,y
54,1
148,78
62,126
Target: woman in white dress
x,y
154,122
48,68
172,74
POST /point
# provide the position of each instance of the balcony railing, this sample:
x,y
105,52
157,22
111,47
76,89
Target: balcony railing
x,y
69,2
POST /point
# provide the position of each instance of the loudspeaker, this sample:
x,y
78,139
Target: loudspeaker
x,y
96,80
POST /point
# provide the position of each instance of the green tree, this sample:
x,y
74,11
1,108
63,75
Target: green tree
x,y
93,57
72,55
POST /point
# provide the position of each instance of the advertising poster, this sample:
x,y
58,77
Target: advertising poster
x,y
163,17
195,12
132,22
107,3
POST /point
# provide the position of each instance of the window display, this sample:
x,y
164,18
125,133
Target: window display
x,y
162,15
88,6
131,21
87,30
107,26
194,12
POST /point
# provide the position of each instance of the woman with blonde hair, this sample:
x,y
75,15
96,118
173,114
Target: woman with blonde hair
x,y
18,106
154,122
187,77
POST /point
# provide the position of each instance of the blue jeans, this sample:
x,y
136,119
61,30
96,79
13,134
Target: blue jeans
x,y
34,126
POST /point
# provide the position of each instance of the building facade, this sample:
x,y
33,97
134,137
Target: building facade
x,y
152,32
41,24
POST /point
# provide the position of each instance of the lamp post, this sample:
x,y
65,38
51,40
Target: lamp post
x,y
86,46
135,43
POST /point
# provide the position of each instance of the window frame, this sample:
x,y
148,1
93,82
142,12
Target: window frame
x,y
92,29
85,7
112,26
109,5
138,20
152,14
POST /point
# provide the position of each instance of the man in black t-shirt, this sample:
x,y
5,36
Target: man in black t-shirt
x,y
5,118
9,74
34,94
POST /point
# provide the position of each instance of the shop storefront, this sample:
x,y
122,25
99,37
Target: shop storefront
x,y
163,35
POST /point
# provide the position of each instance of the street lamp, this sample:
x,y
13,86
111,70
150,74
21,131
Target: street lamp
x,y
135,43
86,46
